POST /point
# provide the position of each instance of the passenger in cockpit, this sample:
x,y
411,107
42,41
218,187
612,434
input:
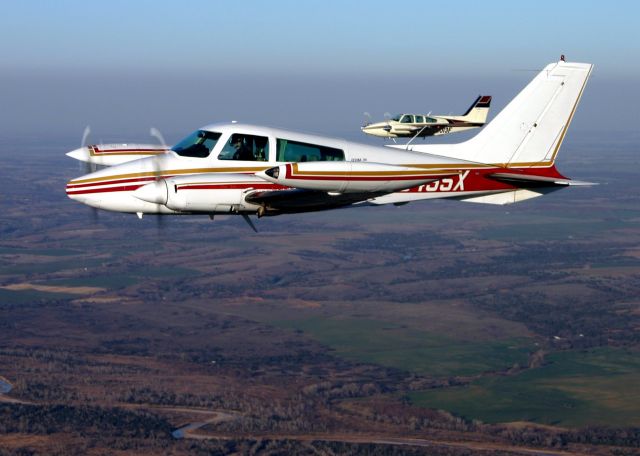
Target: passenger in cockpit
x,y
261,146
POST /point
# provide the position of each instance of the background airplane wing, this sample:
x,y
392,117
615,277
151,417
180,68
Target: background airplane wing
x,y
115,154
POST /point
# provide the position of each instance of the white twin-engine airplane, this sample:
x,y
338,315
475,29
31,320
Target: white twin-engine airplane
x,y
420,125
234,168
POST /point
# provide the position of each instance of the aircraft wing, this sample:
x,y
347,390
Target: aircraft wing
x,y
326,185
300,200
408,127
115,154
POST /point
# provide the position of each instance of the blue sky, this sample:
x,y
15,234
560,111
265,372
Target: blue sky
x,y
124,64
332,36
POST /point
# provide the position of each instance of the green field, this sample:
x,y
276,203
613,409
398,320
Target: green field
x,y
394,345
44,252
576,388
112,281
550,231
11,297
49,266
115,281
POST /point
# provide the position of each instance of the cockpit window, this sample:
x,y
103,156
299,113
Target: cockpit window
x,y
407,119
245,147
198,144
396,117
294,151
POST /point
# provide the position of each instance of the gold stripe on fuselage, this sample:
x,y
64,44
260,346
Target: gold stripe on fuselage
x,y
417,172
167,172
107,152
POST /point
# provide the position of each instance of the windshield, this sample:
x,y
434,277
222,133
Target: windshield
x,y
197,144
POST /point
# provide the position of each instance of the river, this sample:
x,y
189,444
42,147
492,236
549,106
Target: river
x,y
5,386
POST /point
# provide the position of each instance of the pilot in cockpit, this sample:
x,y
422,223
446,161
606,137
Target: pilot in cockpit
x,y
243,151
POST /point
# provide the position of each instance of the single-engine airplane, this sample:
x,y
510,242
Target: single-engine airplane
x,y
422,125
235,168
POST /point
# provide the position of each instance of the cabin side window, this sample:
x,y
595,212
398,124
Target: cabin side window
x,y
198,144
419,119
245,148
294,151
407,118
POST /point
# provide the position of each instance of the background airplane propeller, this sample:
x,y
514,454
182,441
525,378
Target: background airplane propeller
x,y
367,119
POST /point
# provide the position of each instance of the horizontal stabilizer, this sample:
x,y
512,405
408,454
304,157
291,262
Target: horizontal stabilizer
x,y
528,180
508,197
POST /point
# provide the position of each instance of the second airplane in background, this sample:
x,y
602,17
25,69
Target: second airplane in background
x,y
419,125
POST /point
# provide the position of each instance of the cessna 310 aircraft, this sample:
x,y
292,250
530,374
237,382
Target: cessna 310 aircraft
x,y
419,125
234,168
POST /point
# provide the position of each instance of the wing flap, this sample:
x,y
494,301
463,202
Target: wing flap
x,y
298,200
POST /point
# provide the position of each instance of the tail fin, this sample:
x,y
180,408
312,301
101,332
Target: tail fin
x,y
478,111
528,132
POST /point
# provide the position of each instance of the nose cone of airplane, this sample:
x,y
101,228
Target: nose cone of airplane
x,y
377,129
81,154
155,192
79,193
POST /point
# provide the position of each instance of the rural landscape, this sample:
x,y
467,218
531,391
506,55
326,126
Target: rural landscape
x,y
436,328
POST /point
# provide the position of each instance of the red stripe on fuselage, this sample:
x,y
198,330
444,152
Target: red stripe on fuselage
x,y
121,181
367,178
124,188
97,151
232,186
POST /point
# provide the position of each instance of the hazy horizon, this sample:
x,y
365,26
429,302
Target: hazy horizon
x,y
123,68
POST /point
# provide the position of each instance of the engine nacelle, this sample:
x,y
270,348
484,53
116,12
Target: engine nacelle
x,y
115,154
210,193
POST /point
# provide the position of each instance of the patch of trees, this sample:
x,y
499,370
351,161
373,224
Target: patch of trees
x,y
582,323
271,447
147,395
595,435
397,242
84,420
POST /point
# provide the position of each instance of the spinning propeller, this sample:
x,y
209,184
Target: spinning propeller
x,y
88,168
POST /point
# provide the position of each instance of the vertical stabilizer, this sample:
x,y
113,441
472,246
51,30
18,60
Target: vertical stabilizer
x,y
477,112
528,132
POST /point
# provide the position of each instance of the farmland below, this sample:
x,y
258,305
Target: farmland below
x,y
432,328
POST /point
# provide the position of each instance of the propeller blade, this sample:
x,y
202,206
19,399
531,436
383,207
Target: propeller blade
x,y
157,174
88,168
85,135
156,134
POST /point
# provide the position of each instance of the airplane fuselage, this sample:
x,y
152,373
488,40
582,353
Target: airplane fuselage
x,y
214,184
